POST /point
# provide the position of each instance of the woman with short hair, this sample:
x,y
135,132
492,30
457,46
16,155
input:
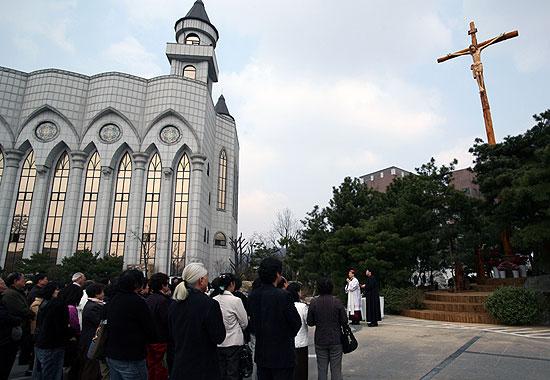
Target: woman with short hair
x,y
301,339
327,313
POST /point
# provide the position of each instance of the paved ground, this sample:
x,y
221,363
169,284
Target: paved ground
x,y
406,348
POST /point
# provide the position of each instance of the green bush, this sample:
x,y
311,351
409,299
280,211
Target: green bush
x,y
398,299
514,306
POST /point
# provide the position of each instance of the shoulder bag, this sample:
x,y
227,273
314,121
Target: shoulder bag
x,y
349,343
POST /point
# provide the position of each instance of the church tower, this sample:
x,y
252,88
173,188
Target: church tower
x,y
193,55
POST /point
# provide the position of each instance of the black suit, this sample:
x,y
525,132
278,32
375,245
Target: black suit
x,y
275,322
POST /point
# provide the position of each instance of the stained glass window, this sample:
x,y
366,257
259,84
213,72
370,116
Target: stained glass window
x,y
181,206
120,209
89,203
150,217
222,180
20,221
56,207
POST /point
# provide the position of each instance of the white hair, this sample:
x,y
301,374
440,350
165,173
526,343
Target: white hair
x,y
191,274
77,275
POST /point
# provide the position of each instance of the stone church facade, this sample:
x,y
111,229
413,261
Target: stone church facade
x,y
112,163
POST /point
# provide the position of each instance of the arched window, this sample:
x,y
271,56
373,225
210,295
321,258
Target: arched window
x,y
235,191
89,203
190,72
222,180
150,217
1,165
20,220
120,209
220,239
192,39
181,207
57,205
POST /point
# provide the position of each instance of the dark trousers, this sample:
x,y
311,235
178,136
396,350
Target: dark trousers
x,y
355,318
8,352
300,373
329,354
229,360
275,373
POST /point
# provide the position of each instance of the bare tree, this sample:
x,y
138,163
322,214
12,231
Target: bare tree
x,y
285,228
147,248
241,255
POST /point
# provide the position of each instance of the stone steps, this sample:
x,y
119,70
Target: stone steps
x,y
462,317
458,307
463,307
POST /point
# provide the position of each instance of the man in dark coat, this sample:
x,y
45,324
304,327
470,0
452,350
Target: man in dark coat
x,y
372,298
275,322
130,328
16,302
8,347
158,302
195,328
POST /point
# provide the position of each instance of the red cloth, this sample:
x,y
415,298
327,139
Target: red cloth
x,y
155,361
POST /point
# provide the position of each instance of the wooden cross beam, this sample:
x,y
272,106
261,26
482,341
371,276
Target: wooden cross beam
x,y
477,70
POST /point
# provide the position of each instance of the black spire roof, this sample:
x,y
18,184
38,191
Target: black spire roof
x,y
198,12
221,107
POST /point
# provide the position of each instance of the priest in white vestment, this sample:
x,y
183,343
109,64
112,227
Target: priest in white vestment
x,y
354,298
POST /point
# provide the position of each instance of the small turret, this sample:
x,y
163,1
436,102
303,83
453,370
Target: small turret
x,y
221,107
193,55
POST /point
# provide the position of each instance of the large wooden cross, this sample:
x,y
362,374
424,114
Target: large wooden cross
x,y
477,70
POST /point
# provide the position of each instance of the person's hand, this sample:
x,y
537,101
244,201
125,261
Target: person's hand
x,y
363,286
348,280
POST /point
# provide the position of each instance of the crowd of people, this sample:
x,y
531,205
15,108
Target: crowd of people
x,y
190,328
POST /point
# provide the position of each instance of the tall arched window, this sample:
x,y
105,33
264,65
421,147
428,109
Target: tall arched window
x,y
20,220
57,205
1,164
181,206
190,72
89,203
222,180
120,209
150,217
192,39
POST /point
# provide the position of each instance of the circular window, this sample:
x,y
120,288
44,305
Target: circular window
x,y
110,133
169,134
46,131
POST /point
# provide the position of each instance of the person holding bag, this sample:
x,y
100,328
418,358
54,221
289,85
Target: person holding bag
x,y
328,314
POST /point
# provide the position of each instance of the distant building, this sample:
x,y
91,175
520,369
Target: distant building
x,y
381,179
462,179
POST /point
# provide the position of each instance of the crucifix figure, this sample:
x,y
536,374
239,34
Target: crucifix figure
x,y
475,50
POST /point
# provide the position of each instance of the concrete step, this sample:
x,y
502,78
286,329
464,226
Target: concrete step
x,y
446,316
455,306
462,297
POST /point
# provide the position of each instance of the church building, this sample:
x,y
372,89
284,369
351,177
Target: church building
x,y
116,164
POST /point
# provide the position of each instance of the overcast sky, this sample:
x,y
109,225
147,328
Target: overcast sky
x,y
320,89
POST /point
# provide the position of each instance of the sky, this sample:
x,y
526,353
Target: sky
x,y
320,89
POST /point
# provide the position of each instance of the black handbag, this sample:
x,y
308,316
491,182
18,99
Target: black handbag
x,y
246,364
349,343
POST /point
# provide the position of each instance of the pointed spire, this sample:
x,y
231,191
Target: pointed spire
x,y
221,107
198,12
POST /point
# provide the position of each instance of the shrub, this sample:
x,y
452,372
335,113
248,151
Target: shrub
x,y
514,306
398,299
